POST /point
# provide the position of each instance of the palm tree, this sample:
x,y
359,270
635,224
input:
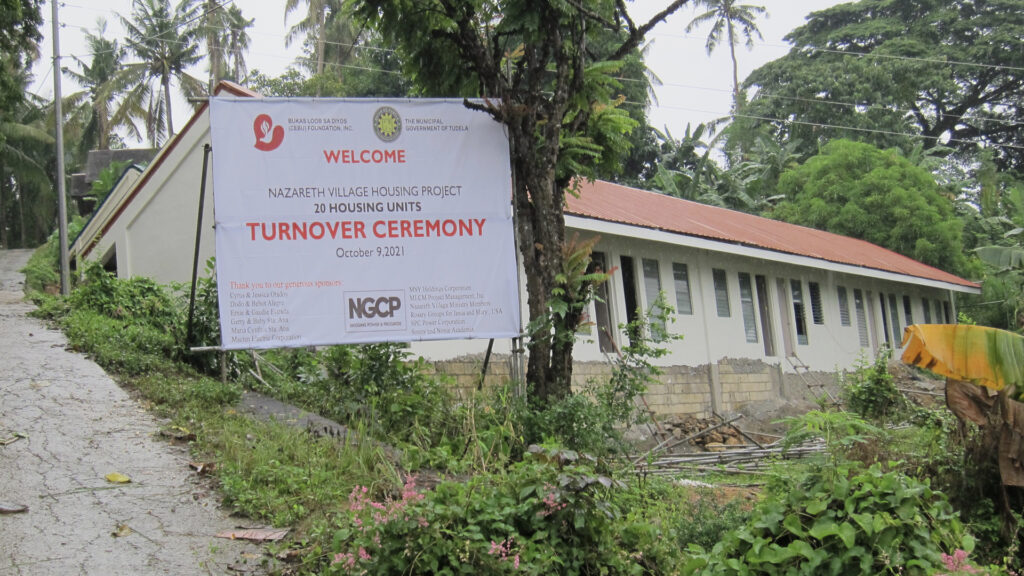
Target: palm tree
x,y
725,17
313,25
236,42
90,109
166,42
26,149
224,30
329,31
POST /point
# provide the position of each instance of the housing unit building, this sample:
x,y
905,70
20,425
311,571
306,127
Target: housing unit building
x,y
756,301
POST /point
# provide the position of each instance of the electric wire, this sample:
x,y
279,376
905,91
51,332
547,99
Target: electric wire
x,y
653,105
662,34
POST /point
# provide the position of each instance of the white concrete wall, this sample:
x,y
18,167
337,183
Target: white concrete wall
x,y
708,338
154,235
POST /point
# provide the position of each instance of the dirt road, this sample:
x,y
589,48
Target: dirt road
x,y
65,425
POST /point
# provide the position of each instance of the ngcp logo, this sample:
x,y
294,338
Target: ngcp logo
x,y
268,136
370,307
374,311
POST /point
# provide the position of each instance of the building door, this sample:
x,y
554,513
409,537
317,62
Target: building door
x,y
872,320
602,310
885,318
629,291
785,318
764,310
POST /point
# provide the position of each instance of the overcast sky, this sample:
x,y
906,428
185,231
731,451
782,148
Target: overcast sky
x,y
696,87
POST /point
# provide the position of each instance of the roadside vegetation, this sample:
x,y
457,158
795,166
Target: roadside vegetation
x,y
425,482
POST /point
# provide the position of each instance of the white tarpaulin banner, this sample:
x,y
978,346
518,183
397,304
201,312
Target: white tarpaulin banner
x,y
346,221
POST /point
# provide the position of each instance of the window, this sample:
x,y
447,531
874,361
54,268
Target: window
x,y
883,308
817,314
927,308
721,292
862,317
652,283
747,307
652,291
938,313
894,313
844,306
908,314
798,311
761,286
946,312
681,276
603,317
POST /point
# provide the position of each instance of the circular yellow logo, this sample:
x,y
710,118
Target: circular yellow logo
x,y
387,124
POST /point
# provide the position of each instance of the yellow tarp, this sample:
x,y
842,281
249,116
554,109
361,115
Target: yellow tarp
x,y
984,356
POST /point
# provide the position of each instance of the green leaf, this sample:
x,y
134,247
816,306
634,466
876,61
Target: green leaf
x,y
793,524
848,534
816,507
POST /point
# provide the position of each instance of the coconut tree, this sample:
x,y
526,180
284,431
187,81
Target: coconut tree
x,y
729,20
165,40
329,32
224,30
90,109
236,43
26,189
312,25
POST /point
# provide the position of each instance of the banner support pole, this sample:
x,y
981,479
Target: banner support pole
x,y
518,349
199,234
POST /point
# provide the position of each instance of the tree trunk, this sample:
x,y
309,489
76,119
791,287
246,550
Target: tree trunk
x,y
20,195
539,198
102,124
212,46
735,68
321,39
166,81
3,214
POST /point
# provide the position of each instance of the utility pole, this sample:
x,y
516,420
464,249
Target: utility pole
x,y
62,208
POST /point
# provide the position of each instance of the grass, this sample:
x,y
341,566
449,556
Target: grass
x,y
283,476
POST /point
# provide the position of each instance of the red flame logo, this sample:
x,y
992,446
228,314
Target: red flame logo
x,y
268,136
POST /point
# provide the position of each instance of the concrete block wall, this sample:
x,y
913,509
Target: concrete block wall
x,y
463,373
722,387
746,381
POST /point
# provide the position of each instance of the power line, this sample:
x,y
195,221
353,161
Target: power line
x,y
834,126
656,35
766,93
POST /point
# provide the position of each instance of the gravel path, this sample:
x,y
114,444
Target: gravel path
x,y
65,425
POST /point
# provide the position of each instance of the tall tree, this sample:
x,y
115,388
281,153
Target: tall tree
x,y
236,43
165,40
19,33
312,25
857,190
225,32
729,20
27,201
887,71
532,61
91,107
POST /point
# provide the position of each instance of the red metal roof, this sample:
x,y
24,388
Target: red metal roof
x,y
615,203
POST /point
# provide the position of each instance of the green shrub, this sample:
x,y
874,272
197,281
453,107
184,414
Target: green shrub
x,y
374,383
855,521
179,390
137,300
42,272
870,390
549,514
278,473
120,345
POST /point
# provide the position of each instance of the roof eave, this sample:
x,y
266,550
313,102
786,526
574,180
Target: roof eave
x,y
692,241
